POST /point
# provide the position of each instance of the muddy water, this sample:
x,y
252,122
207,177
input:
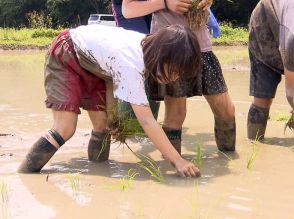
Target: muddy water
x,y
71,187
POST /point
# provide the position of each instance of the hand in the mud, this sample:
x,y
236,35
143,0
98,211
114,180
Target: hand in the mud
x,y
178,6
205,4
290,123
186,168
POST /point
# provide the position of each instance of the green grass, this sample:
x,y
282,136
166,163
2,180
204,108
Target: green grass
x,y
232,35
23,38
26,38
281,117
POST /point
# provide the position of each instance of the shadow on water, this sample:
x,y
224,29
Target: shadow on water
x,y
283,142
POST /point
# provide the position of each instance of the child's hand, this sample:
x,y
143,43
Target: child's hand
x,y
205,4
178,6
186,168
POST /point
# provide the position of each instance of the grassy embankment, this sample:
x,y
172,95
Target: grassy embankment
x,y
40,38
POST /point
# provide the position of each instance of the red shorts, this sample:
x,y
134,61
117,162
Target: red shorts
x,y
68,86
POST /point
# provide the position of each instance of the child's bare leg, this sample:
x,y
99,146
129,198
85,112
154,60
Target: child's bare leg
x,y
257,118
40,153
99,144
224,117
175,113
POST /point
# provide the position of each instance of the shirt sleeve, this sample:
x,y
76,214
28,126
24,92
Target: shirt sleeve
x,y
287,47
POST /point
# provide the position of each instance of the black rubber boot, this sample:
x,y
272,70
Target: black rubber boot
x,y
39,154
256,122
175,137
99,146
225,134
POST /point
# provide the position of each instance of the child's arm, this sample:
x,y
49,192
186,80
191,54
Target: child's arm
x,y
160,140
136,8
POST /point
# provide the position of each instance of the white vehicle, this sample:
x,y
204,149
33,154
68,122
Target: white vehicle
x,y
104,19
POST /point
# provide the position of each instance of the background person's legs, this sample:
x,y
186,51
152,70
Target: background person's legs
x,y
263,85
175,114
41,152
257,118
224,117
99,143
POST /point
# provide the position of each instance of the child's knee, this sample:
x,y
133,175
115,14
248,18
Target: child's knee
x,y
225,111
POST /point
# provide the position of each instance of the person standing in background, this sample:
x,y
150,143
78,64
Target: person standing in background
x,y
209,82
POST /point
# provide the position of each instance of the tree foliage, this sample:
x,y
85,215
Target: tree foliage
x,y
236,12
68,13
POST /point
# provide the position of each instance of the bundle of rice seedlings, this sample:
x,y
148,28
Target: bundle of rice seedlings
x,y
126,126
197,17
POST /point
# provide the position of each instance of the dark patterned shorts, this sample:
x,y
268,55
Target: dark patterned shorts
x,y
208,82
69,86
264,79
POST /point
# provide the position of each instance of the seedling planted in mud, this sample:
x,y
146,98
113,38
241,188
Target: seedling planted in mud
x,y
150,166
4,192
4,200
253,153
198,159
74,182
231,163
127,181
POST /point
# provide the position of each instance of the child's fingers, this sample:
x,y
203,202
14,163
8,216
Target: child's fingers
x,y
192,172
205,4
196,171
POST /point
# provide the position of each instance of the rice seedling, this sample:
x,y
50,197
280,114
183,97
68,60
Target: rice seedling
x,y
150,166
253,153
194,201
4,192
125,126
126,182
231,163
74,182
198,159
4,199
197,17
289,123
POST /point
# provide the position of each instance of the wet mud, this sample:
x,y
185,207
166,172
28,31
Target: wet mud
x,y
254,182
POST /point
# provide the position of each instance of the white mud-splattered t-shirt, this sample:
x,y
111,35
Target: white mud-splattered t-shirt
x,y
113,53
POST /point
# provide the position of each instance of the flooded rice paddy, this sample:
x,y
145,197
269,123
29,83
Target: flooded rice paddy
x,y
254,182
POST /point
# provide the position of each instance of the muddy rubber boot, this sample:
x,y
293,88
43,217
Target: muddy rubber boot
x,y
39,154
225,134
175,137
256,122
99,146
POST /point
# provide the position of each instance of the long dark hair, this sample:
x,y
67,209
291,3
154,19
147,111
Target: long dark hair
x,y
176,47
